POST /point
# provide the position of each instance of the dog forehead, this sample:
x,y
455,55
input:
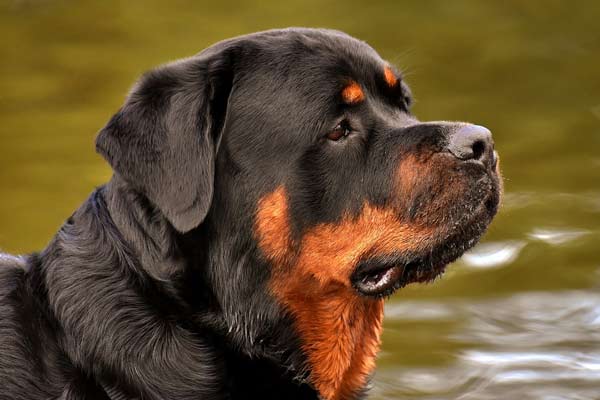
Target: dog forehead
x,y
316,40
307,55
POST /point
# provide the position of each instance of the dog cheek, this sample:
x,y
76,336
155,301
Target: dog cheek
x,y
328,253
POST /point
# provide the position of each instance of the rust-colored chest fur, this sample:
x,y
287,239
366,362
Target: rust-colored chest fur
x,y
339,329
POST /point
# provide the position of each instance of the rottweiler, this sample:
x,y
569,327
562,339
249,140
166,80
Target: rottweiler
x,y
268,194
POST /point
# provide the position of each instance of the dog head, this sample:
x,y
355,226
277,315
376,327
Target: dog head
x,y
316,191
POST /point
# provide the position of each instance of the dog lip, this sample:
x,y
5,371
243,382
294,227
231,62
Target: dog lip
x,y
374,279
381,277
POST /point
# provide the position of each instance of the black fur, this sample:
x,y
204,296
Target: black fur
x,y
155,288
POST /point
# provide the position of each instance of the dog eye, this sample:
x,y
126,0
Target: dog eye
x,y
341,130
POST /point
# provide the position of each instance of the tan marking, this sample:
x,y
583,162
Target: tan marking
x,y
353,93
390,77
272,225
340,330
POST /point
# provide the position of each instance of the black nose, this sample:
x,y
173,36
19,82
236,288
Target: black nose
x,y
471,142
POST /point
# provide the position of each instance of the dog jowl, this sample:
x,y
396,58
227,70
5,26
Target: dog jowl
x,y
268,194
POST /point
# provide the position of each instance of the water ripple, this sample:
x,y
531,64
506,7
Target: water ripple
x,y
493,254
535,345
557,236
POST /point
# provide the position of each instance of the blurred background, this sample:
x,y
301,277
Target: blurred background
x,y
516,318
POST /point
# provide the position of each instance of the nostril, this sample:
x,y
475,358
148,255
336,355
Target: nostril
x,y
478,149
470,142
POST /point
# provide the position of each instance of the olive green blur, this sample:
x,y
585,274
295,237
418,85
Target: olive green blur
x,y
519,316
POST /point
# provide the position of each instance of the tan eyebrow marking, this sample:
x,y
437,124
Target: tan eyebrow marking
x,y
353,93
390,77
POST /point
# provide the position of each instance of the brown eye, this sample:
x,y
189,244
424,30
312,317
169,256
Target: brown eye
x,y
341,130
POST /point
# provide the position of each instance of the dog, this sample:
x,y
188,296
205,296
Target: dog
x,y
268,194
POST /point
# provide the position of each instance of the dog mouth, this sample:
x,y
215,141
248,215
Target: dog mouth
x,y
380,276
378,279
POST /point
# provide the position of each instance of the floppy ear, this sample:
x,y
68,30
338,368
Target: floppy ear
x,y
163,141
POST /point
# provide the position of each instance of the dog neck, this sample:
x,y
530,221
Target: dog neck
x,y
97,262
97,283
145,230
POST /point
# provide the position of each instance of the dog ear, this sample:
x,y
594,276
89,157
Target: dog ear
x,y
164,139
